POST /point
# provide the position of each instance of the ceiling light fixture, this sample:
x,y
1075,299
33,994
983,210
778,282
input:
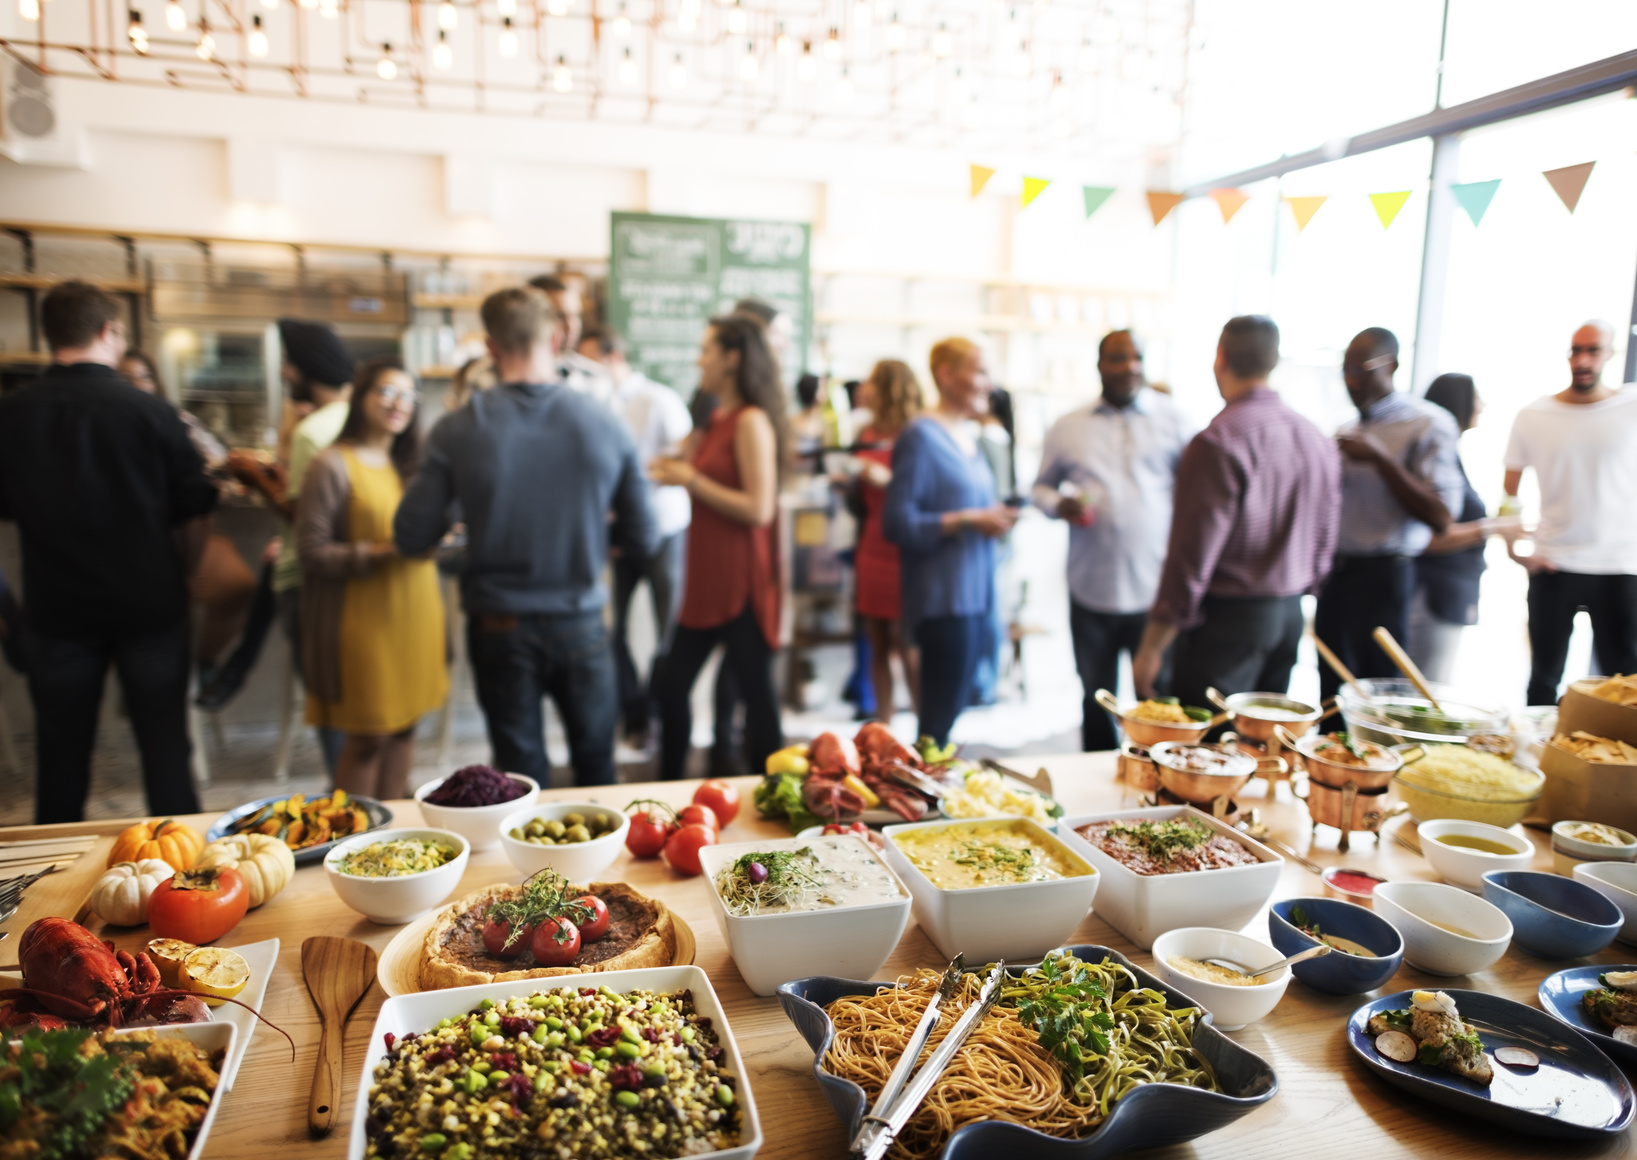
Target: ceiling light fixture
x,y
832,46
206,48
679,73
862,14
628,69
1062,97
807,67
329,9
386,68
737,20
270,5
557,7
688,18
448,17
257,41
622,23
137,34
508,38
783,44
844,87
28,9
443,57
176,18
749,66
1088,55
942,45
561,79
895,35
506,7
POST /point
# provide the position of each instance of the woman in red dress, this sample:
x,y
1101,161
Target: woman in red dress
x,y
731,592
892,395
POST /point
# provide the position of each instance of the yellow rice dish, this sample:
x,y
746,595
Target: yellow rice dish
x,y
1161,712
1452,781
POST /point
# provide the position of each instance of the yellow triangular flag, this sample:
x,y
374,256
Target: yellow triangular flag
x,y
1569,182
1388,204
1033,187
1160,204
1229,201
980,178
1304,208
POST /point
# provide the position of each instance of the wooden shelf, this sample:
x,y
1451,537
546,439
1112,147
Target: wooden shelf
x,y
47,281
33,358
446,301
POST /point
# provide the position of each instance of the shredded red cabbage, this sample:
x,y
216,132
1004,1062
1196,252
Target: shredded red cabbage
x,y
476,785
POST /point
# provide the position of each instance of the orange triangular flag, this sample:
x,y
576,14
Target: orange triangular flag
x,y
980,178
1160,204
1304,208
1033,187
1387,205
1569,182
1229,201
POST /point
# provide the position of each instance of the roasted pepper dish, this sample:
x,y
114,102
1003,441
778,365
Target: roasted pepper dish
x,y
587,1072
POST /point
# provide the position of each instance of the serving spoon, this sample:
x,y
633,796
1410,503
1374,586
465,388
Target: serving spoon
x,y
1257,972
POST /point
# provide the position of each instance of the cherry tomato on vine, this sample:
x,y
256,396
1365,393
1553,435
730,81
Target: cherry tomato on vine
x,y
649,829
697,815
548,951
721,797
593,928
682,848
496,932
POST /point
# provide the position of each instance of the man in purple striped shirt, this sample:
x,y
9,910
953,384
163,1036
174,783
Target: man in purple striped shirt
x,y
1258,500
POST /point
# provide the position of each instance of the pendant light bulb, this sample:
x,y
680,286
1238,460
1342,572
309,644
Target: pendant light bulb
x,y
557,7
844,88
386,68
688,18
329,9
896,35
448,17
807,67
679,73
29,9
443,57
257,41
561,79
508,38
737,20
942,45
206,48
176,18
832,46
749,66
1088,55
138,35
622,23
862,13
1062,97
628,69
270,5
783,44
506,7
308,4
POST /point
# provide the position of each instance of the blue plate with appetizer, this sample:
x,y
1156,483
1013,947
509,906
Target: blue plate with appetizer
x,y
309,826
859,1032
1489,1057
1600,1002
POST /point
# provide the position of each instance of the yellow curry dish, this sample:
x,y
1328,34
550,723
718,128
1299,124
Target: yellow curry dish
x,y
996,852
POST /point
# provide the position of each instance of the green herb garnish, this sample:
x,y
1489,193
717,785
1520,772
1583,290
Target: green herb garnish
x,y
1164,840
785,881
545,896
79,1093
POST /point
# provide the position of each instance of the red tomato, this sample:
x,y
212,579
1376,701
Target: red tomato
x,y
682,848
555,943
593,928
722,797
496,932
646,837
697,815
198,906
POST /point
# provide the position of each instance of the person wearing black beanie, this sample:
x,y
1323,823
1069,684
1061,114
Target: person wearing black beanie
x,y
315,352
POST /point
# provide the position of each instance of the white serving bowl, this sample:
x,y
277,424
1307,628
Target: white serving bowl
x,y
1616,881
211,1037
579,862
391,901
477,824
1142,907
1570,853
1464,866
1018,922
1233,1007
849,942
1415,907
413,1014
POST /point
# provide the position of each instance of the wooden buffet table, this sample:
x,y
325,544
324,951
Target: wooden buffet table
x,y
1327,1101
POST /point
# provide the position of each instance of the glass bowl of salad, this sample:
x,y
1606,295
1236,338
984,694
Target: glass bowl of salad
x,y
396,876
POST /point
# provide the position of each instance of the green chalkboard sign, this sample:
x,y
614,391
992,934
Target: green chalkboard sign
x,y
669,275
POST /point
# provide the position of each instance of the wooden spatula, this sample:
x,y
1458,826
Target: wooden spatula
x,y
338,972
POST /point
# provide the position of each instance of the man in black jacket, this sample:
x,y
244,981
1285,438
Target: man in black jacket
x,y
112,504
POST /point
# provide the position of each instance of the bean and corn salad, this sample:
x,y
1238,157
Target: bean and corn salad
x,y
584,1073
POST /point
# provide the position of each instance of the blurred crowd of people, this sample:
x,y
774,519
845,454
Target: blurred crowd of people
x,y
560,480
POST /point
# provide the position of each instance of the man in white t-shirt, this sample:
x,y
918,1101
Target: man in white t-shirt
x,y
659,421
1582,444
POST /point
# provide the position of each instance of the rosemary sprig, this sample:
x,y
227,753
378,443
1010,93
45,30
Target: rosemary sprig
x,y
545,895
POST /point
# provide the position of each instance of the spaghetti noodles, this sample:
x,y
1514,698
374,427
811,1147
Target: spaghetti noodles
x,y
1006,1070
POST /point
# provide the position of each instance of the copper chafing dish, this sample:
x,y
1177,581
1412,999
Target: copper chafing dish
x,y
1200,774
1257,716
1149,733
1134,767
1384,762
1348,809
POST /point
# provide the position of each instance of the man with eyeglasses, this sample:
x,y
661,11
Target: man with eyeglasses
x,y
1582,444
1401,485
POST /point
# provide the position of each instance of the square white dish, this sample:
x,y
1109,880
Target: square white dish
x,y
403,1014
1143,907
1013,921
212,1037
261,957
850,942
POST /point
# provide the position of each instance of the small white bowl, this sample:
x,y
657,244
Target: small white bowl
x,y
849,942
1233,1007
393,901
1585,851
1464,866
1018,922
1416,909
1616,881
477,824
579,862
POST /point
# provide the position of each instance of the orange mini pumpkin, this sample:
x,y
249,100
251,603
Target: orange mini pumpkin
x,y
173,843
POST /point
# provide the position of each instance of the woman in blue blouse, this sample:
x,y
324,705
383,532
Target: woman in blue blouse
x,y
941,512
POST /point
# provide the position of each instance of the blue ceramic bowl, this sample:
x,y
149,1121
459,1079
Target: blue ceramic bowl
x,y
1553,917
1338,973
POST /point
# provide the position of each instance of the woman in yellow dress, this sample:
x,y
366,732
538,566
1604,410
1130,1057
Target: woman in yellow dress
x,y
373,642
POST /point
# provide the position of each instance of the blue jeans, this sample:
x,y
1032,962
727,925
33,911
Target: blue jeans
x,y
950,648
663,571
519,660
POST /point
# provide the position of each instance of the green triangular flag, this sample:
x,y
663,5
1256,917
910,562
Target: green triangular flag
x,y
1096,195
1475,197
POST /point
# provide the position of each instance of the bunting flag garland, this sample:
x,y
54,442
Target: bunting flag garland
x,y
1304,208
1229,201
1033,187
1475,197
980,178
1569,182
1096,195
1160,204
1387,205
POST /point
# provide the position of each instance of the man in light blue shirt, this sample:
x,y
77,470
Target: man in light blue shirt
x,y
1109,469
1401,484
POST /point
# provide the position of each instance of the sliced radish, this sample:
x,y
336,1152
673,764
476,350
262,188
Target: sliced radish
x,y
1395,1045
1516,1057
1626,1035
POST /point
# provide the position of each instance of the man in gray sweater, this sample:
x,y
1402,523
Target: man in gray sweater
x,y
535,468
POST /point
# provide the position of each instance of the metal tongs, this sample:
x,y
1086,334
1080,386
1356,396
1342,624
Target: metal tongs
x,y
892,1110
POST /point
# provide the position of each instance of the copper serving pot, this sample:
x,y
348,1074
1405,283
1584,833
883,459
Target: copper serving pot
x,y
1297,717
1347,809
1134,767
1200,787
1335,774
1148,733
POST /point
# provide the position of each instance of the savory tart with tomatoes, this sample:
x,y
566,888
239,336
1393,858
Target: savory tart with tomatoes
x,y
545,927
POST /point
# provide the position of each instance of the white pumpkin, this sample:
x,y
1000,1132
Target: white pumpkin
x,y
265,863
120,896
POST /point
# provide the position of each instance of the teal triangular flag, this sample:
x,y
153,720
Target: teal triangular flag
x,y
1096,195
1475,197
